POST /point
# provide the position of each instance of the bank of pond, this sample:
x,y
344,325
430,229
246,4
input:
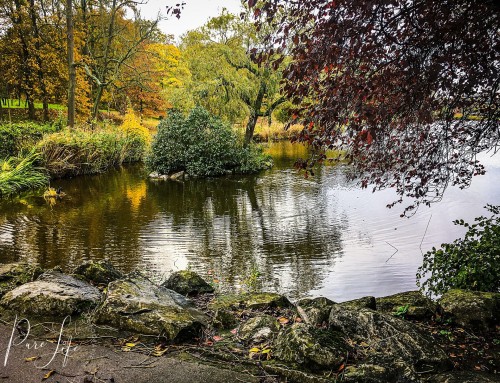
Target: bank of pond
x,y
405,337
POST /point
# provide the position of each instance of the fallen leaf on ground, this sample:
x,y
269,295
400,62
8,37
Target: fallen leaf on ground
x,y
48,374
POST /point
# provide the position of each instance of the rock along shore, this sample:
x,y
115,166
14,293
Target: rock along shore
x,y
257,337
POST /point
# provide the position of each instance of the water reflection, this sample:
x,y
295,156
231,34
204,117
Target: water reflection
x,y
316,236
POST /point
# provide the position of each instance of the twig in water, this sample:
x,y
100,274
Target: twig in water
x,y
425,232
388,259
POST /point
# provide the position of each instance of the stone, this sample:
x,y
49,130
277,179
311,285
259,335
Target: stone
x,y
224,319
310,347
258,329
100,272
53,294
177,176
13,275
314,311
472,309
368,302
411,305
187,282
391,337
370,373
463,377
253,301
138,305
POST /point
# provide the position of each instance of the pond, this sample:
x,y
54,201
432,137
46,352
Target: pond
x,y
302,237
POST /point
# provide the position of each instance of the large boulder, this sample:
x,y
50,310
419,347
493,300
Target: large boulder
x,y
472,309
136,304
53,294
368,302
255,301
310,347
100,272
13,275
258,329
314,311
187,282
410,304
393,338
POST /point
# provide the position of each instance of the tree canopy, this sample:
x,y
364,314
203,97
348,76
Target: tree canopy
x,y
408,88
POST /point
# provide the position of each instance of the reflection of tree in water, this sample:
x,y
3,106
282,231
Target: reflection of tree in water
x,y
101,216
276,223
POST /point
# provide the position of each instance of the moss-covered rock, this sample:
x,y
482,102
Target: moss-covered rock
x,y
138,305
254,301
13,275
370,373
258,329
187,282
391,337
314,311
224,319
410,304
53,294
310,347
100,272
368,302
472,309
463,377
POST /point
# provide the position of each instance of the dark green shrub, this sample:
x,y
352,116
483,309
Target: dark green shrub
x,y
202,145
471,263
21,136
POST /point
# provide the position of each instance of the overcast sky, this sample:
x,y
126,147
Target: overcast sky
x,y
194,15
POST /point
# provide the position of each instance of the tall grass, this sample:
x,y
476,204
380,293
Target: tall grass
x,y
20,173
77,152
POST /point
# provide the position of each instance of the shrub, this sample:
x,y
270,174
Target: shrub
x,y
471,263
137,137
202,145
76,152
21,136
20,173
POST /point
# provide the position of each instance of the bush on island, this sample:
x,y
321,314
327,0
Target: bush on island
x,y
202,145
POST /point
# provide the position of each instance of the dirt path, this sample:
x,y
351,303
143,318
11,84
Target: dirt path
x,y
33,360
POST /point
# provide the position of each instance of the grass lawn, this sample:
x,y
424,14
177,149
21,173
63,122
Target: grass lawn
x,y
15,104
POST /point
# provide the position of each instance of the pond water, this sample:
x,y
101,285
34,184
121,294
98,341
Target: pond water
x,y
302,237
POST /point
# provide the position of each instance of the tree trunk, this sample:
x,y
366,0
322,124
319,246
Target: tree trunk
x,y
254,114
71,63
97,101
38,59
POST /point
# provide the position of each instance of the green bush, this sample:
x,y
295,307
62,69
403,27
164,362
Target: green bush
x,y
77,152
21,136
471,263
202,145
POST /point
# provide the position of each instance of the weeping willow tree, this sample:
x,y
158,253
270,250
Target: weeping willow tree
x,y
224,80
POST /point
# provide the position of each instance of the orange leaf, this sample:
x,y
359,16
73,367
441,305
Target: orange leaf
x,y
217,338
283,320
48,374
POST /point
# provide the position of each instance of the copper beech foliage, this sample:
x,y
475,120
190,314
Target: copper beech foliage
x,y
408,88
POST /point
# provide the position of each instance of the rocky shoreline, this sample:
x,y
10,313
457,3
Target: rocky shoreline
x,y
405,337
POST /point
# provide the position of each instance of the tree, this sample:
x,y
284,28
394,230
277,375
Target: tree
x,y
71,63
224,78
408,88
111,41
